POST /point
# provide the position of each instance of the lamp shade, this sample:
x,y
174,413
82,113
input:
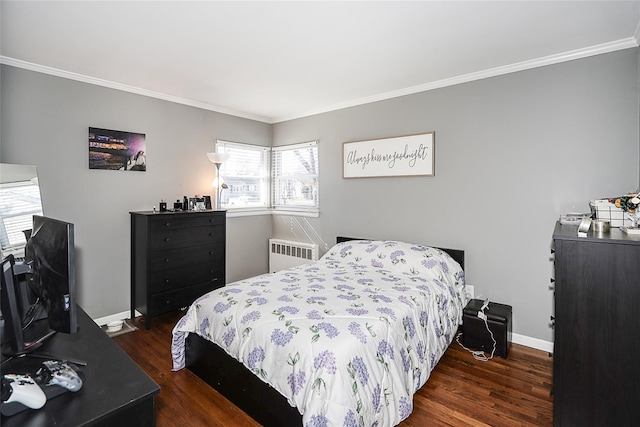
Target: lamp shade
x,y
218,158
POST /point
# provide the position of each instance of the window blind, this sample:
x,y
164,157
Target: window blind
x,y
246,174
295,176
18,203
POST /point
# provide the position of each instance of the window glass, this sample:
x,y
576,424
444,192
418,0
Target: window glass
x,y
246,175
19,201
295,176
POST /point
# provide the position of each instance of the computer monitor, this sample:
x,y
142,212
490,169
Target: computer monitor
x,y
11,313
50,258
50,254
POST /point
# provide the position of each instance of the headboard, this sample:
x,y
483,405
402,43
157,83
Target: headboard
x,y
456,254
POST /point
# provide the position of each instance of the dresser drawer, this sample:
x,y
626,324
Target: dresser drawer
x,y
186,220
184,257
166,301
162,281
185,237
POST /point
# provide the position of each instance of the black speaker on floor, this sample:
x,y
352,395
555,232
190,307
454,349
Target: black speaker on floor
x,y
474,330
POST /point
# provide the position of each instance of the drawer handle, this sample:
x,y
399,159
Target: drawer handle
x,y
166,239
166,260
166,280
167,224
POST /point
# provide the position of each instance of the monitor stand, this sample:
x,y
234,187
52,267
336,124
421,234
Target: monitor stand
x,y
36,334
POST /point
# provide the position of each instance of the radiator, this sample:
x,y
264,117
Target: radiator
x,y
286,254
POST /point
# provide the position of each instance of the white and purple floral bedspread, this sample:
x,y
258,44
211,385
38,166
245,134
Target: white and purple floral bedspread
x,y
347,339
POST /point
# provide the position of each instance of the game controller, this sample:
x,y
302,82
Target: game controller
x,y
22,389
60,374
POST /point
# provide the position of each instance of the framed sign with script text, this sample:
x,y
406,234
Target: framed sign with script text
x,y
410,155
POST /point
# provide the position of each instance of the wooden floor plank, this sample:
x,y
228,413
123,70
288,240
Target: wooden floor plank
x,y
461,391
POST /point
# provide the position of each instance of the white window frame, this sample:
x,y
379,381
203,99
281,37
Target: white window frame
x,y
264,175
280,175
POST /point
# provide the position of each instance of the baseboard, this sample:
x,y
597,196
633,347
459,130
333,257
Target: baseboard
x,y
113,317
532,342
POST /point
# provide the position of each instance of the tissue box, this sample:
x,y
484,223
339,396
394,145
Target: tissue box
x,y
605,210
474,331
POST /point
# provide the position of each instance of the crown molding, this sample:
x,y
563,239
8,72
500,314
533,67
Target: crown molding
x,y
493,72
126,88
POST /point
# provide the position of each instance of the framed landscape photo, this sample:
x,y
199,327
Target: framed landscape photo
x,y
409,155
117,150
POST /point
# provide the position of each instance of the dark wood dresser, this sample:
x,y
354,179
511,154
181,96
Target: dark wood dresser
x,y
176,257
596,369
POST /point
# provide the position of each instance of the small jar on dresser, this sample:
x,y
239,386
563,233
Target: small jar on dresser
x,y
176,257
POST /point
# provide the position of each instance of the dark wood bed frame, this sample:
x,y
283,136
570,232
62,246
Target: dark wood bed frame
x,y
238,384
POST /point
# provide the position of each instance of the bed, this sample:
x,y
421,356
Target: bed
x,y
345,340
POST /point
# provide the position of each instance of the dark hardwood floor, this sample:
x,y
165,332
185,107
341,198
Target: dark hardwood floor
x,y
461,391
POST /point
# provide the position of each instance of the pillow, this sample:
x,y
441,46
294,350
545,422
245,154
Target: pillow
x,y
396,257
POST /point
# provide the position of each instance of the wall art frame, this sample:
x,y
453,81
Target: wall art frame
x,y
117,150
406,155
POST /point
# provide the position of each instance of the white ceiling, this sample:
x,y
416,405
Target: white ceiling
x,y
275,61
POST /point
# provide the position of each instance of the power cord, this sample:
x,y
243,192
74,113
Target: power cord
x,y
479,354
32,313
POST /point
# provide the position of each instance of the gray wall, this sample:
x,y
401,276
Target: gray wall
x,y
512,153
45,121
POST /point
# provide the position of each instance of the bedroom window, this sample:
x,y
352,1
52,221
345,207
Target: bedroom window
x,y
18,202
246,174
295,177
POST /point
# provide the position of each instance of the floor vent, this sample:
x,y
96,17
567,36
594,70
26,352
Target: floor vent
x,y
286,254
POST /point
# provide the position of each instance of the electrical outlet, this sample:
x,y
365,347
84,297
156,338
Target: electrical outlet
x,y
469,291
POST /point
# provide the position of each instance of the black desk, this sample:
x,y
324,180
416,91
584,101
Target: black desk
x,y
116,392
